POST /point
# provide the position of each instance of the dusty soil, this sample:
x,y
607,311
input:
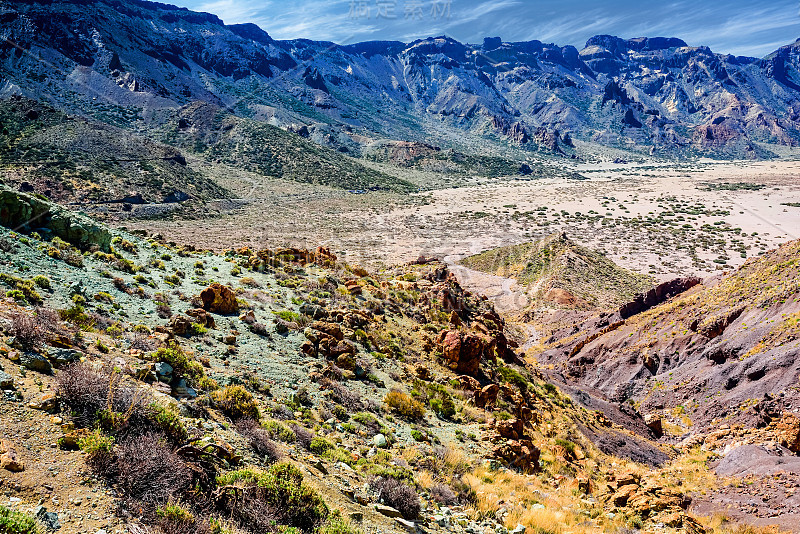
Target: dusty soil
x,y
667,220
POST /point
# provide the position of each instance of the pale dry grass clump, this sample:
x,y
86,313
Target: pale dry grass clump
x,y
519,492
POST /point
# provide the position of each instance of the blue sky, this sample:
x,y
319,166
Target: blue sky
x,y
744,27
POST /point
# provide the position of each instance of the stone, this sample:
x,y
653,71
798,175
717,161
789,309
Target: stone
x,y
47,403
353,287
164,371
463,351
521,454
6,381
388,511
331,329
519,529
318,465
202,317
48,519
653,422
624,494
467,383
314,311
9,459
180,325
788,430
72,227
182,389
379,441
35,362
410,526
627,479
487,396
219,299
63,357
510,429
249,317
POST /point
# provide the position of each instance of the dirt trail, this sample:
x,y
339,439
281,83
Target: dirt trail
x,y
508,297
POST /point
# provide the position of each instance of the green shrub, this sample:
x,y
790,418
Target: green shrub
x,y
320,445
280,493
237,403
173,513
181,363
337,525
42,281
166,418
403,405
288,316
279,431
96,443
12,522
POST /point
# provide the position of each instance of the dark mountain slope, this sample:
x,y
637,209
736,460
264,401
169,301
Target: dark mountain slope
x,y
646,94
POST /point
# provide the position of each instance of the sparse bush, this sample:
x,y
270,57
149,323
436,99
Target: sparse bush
x,y
167,420
278,430
164,311
404,405
259,440
28,331
237,403
278,496
337,525
98,448
42,281
442,494
148,472
182,363
398,495
302,435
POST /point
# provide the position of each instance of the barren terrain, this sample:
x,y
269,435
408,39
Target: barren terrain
x,y
666,220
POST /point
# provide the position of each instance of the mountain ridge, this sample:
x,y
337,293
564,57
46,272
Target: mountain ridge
x,y
647,94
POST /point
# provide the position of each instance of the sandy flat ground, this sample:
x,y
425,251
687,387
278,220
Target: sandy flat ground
x,y
606,212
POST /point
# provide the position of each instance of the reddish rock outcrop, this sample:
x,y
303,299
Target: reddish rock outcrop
x,y
463,351
522,454
220,299
487,396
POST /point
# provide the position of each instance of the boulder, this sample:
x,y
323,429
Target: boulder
x,y
63,357
164,371
510,429
522,454
388,511
71,227
219,299
6,381
487,396
653,422
788,430
202,317
331,329
35,362
9,459
353,287
467,383
624,494
180,325
463,351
